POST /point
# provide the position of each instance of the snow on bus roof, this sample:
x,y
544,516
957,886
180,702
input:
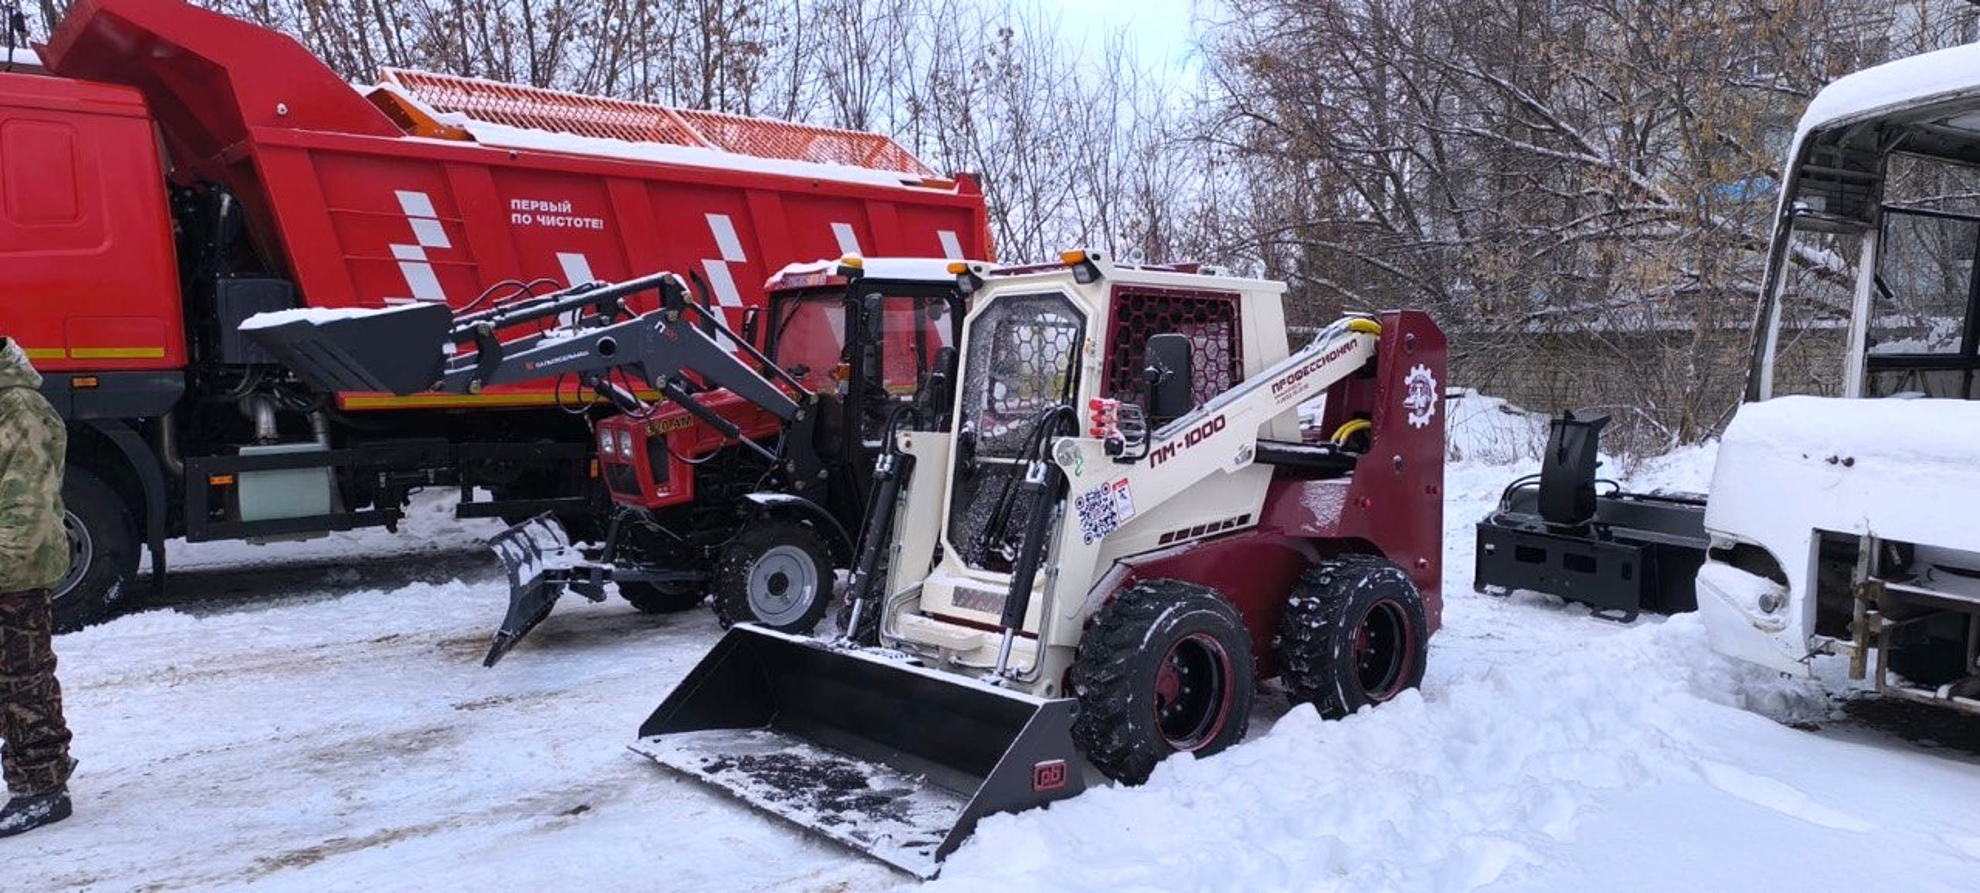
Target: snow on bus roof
x,y
1893,86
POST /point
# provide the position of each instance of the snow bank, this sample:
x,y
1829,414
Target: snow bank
x,y
1478,779
1488,429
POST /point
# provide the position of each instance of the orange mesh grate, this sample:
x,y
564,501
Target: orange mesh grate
x,y
536,108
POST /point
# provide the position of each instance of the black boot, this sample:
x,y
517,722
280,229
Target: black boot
x,y
28,813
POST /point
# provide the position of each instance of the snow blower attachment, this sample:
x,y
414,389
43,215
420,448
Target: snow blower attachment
x,y
595,335
1617,552
1045,598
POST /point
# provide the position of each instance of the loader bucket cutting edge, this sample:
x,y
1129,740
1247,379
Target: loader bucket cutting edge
x,y
891,759
528,551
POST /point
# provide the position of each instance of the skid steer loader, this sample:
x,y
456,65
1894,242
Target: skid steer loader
x,y
1121,536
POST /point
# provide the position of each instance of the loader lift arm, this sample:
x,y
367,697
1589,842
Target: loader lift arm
x,y
679,349
404,350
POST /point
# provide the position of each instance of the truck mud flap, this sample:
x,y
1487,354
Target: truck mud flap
x,y
396,350
895,760
537,555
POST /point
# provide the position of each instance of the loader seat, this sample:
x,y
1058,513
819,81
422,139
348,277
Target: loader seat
x,y
1307,461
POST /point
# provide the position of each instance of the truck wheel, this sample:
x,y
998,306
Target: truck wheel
x,y
775,573
103,551
1353,635
1165,668
662,598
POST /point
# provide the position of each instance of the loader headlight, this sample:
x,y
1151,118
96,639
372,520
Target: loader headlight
x,y
625,444
604,443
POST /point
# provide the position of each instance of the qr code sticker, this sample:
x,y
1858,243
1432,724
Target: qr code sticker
x,y
1096,514
1103,509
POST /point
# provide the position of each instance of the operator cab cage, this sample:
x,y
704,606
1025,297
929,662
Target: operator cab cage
x,y
1839,177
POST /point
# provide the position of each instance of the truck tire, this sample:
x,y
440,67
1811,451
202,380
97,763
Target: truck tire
x,y
1352,635
103,551
776,573
1165,668
662,598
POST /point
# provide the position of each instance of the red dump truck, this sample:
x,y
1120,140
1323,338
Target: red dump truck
x,y
167,172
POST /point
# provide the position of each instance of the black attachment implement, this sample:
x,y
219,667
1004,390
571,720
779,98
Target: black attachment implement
x,y
1619,553
840,741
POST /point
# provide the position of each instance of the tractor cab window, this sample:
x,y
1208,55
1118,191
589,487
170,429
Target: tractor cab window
x,y
808,339
1210,321
1919,335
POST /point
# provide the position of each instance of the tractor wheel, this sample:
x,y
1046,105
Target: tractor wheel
x,y
103,551
775,573
1165,668
663,598
1353,635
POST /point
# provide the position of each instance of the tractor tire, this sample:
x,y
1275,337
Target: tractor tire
x,y
662,598
103,552
776,573
1352,635
1165,668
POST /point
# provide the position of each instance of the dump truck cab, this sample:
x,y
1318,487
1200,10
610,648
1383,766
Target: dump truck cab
x,y
1837,522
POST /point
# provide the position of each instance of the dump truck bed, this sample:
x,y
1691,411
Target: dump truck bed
x,y
345,200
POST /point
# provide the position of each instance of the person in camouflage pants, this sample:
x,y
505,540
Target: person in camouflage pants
x,y
34,555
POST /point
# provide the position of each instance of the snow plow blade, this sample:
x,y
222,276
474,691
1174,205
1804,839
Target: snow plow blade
x,y
535,554
891,759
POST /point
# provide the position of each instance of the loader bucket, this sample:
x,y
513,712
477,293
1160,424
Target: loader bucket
x,y
895,760
533,553
397,350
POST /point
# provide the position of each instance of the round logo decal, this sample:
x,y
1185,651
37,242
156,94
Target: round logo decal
x,y
1420,396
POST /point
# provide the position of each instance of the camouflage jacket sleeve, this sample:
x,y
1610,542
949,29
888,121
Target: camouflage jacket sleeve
x,y
33,548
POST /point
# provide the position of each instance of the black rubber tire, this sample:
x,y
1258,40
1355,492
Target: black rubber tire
x,y
102,573
663,598
794,544
1323,658
1119,669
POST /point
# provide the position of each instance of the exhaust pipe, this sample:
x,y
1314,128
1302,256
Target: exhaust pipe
x,y
892,759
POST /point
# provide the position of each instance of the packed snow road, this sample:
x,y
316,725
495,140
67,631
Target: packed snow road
x,y
343,736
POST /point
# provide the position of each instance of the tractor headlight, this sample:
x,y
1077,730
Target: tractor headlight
x,y
604,443
625,445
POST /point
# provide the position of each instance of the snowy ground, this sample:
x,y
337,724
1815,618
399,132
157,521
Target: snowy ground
x,y
314,717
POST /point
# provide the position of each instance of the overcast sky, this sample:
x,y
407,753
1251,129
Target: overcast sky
x,y
1160,29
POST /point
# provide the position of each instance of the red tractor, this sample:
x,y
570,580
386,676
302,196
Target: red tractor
x,y
744,481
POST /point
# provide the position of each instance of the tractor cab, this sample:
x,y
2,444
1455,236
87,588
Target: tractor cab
x,y
866,334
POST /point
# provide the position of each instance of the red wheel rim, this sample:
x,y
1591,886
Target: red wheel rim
x,y
1193,692
1383,649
